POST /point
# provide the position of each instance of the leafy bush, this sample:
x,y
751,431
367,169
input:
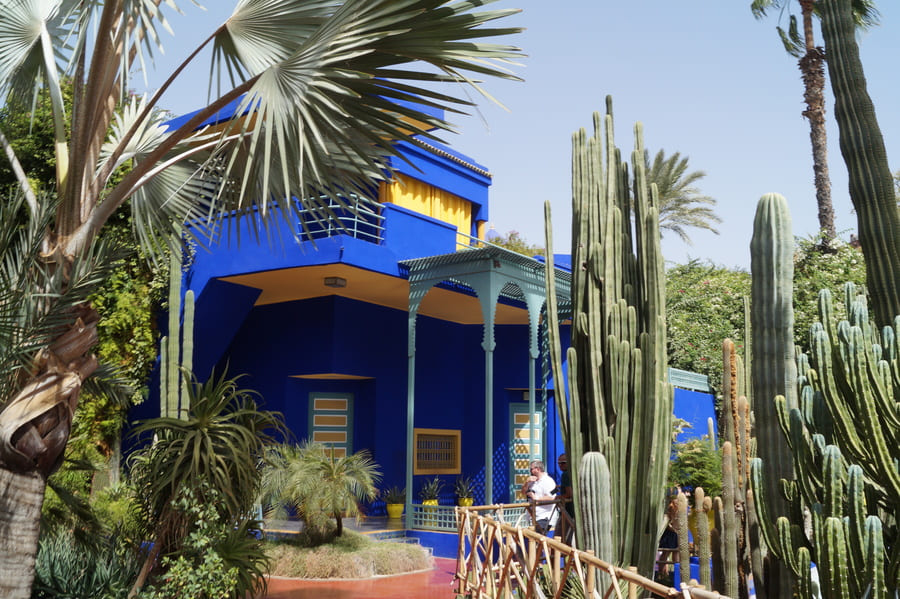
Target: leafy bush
x,y
696,464
704,306
814,271
218,558
66,567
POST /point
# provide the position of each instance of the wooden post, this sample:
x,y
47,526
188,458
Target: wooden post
x,y
632,587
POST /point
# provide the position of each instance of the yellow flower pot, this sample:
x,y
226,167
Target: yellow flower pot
x,y
395,510
465,501
429,517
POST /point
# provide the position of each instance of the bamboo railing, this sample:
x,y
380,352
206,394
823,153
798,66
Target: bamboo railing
x,y
497,559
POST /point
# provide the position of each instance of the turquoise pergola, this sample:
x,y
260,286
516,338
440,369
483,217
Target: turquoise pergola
x,y
491,272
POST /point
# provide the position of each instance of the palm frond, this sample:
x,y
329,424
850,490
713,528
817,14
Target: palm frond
x,y
323,98
38,296
681,204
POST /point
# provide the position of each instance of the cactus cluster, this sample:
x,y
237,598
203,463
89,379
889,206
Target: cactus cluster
x,y
620,403
177,348
845,439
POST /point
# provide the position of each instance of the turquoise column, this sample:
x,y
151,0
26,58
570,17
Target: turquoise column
x,y
534,299
489,425
531,407
416,293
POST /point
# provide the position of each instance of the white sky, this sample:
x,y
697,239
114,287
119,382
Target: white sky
x,y
704,77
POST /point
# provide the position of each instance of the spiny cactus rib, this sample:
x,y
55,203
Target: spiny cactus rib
x,y
774,366
862,146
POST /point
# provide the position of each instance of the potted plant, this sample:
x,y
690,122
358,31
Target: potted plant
x,y
395,500
464,490
431,490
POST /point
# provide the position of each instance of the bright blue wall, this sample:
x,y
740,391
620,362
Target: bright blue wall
x,y
695,408
339,335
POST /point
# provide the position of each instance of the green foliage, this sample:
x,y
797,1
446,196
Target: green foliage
x,y
815,270
119,504
128,302
431,489
319,485
198,569
696,464
352,555
704,303
515,242
394,495
67,567
30,132
704,306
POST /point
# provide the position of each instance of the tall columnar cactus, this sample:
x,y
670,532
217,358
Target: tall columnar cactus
x,y
177,348
773,367
620,403
862,145
845,438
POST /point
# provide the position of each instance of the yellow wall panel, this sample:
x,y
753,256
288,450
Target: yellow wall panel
x,y
426,199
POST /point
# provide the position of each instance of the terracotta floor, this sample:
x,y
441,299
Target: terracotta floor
x,y
436,584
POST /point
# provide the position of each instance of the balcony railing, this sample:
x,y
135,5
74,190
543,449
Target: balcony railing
x,y
357,217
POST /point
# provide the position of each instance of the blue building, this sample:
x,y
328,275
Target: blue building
x,y
399,330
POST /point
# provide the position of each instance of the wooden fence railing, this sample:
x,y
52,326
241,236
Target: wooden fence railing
x,y
502,558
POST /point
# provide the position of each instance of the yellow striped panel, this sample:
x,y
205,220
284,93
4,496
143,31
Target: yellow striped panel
x,y
330,436
329,420
331,403
523,419
426,199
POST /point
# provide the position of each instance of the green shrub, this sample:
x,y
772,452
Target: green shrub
x,y
352,555
218,559
68,568
696,464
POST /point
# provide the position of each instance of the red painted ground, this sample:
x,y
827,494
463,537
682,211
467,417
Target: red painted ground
x,y
436,584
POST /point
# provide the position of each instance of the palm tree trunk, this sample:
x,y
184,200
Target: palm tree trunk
x,y
812,68
21,498
340,524
34,429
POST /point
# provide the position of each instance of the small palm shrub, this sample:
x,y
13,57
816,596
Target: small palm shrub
x,y
394,495
431,489
318,485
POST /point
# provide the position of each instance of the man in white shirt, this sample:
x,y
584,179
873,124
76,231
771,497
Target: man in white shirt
x,y
538,486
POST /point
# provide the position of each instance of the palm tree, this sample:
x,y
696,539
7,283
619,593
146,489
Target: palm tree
x,y
812,69
318,484
680,203
330,85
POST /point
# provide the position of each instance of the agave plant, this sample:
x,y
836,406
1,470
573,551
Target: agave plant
x,y
214,453
330,85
